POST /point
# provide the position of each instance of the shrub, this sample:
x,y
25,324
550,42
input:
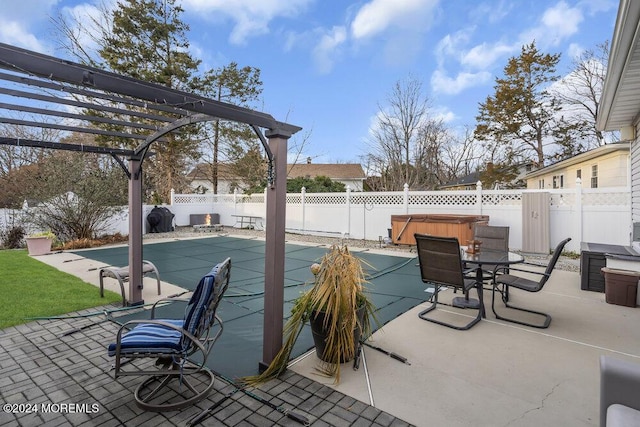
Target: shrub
x,y
13,238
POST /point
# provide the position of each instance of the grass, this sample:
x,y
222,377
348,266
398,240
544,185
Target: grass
x,y
30,288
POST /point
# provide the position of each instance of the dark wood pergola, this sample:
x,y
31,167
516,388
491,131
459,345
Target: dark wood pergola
x,y
57,94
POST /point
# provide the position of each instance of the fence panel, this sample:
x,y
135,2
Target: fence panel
x,y
594,215
598,215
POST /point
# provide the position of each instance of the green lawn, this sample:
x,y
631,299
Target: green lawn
x,y
30,288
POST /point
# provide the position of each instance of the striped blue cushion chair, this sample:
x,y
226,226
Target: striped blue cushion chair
x,y
179,347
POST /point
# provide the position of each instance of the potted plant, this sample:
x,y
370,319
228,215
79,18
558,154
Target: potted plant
x,y
339,312
40,243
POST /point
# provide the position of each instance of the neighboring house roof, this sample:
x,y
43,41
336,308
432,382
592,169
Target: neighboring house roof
x,y
583,157
335,171
331,170
467,180
202,171
470,180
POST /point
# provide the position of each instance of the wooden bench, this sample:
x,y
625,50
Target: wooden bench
x,y
121,274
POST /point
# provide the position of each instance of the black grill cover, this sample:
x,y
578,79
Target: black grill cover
x,y
160,220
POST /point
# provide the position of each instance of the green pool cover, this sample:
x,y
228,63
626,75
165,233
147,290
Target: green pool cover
x,y
395,287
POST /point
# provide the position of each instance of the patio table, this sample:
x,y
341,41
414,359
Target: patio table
x,y
251,221
491,257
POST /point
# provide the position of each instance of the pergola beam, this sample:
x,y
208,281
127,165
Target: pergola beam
x,y
86,93
19,142
44,66
75,103
48,73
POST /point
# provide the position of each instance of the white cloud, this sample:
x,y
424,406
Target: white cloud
x,y
485,55
575,50
442,83
444,114
557,23
16,34
451,44
19,19
324,53
593,7
90,18
378,15
562,19
251,17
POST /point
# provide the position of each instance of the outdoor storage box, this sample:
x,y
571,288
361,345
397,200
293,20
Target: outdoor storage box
x,y
593,259
403,227
621,286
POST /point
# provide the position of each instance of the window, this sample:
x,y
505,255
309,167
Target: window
x,y
594,176
541,183
579,173
558,181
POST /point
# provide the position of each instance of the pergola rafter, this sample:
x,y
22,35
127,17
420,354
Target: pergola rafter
x,y
61,84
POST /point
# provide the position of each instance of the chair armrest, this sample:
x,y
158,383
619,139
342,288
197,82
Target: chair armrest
x,y
512,268
164,301
619,383
534,264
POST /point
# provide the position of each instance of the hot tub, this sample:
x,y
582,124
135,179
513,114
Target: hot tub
x,y
445,225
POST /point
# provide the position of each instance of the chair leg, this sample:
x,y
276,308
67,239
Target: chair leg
x,y
150,395
504,294
435,302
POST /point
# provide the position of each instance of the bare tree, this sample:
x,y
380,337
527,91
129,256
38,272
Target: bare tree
x,y
396,137
409,145
459,156
18,165
580,93
82,36
78,194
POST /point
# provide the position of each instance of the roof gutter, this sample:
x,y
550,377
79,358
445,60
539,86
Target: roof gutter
x,y
625,35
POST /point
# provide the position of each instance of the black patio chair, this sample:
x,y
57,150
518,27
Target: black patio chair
x,y
178,348
441,266
502,283
493,238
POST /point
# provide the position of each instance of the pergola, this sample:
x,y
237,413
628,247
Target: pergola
x,y
59,94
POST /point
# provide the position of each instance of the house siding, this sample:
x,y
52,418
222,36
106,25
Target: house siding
x,y
635,178
612,172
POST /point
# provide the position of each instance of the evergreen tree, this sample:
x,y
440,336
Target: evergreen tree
x,y
522,120
319,184
148,41
232,141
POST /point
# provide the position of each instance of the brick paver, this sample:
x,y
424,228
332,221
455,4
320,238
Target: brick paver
x,y
40,365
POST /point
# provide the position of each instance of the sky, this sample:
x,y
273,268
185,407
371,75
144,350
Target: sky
x,y
329,66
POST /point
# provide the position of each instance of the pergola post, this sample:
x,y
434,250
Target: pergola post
x,y
135,232
274,249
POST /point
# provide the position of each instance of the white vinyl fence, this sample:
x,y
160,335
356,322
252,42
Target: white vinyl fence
x,y
589,215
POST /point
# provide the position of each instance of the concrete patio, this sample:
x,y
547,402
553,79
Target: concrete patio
x,y
496,374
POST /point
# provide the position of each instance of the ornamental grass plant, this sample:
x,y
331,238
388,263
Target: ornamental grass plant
x,y
338,292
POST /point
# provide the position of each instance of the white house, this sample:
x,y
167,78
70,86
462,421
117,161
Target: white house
x,y
605,166
620,100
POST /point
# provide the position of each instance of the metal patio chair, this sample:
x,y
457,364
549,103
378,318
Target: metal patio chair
x,y
441,266
178,348
503,282
492,237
